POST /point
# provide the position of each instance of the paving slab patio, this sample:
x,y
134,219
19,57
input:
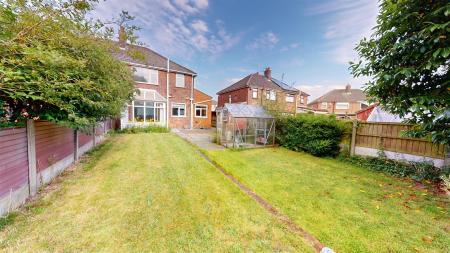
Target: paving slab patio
x,y
203,138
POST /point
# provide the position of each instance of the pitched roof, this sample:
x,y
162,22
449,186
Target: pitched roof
x,y
256,80
341,95
201,92
152,59
284,86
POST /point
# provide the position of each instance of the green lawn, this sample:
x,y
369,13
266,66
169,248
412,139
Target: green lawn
x,y
147,193
347,208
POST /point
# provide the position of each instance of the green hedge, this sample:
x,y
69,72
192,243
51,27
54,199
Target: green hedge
x,y
319,135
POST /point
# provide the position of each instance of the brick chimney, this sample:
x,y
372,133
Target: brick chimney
x,y
348,87
122,37
268,73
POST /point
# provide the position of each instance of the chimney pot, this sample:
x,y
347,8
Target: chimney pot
x,y
268,73
348,87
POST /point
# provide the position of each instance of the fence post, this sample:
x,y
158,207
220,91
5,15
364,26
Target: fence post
x,y
31,146
447,156
76,144
353,141
93,136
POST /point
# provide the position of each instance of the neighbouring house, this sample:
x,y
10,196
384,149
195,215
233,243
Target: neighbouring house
x,y
264,90
342,102
302,102
202,109
166,91
375,113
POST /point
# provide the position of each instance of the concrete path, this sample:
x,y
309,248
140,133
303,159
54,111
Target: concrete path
x,y
203,138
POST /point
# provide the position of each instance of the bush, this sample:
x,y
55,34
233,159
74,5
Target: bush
x,y
319,135
147,129
416,170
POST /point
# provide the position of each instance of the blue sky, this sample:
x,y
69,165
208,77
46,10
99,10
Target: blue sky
x,y
307,42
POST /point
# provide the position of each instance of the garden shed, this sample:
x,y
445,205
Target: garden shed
x,y
242,125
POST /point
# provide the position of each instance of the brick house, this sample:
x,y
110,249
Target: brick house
x,y
202,109
342,102
166,96
257,89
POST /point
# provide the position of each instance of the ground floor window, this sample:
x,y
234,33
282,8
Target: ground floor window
x,y
290,98
201,111
178,110
147,111
341,105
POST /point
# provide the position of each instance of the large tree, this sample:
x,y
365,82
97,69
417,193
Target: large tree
x,y
407,59
58,65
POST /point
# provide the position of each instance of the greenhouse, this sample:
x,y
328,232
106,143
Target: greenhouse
x,y
244,126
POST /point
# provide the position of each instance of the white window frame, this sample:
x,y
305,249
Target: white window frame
x,y
150,75
342,105
180,81
324,105
154,74
273,95
290,98
156,106
200,106
302,99
178,105
254,93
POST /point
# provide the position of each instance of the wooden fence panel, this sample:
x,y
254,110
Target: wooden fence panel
x,y
388,136
13,159
53,143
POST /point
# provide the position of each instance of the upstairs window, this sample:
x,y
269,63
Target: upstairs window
x,y
290,98
302,100
254,93
145,75
273,95
141,75
154,76
179,80
324,105
342,106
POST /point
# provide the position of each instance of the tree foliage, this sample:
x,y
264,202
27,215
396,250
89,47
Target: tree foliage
x,y
407,59
57,65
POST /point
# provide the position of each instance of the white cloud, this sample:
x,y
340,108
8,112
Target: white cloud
x,y
346,22
266,40
290,46
175,27
200,26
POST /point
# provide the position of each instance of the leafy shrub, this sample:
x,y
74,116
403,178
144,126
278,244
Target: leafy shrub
x,y
416,170
319,135
147,129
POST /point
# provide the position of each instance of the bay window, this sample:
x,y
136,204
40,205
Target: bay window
x,y
147,111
